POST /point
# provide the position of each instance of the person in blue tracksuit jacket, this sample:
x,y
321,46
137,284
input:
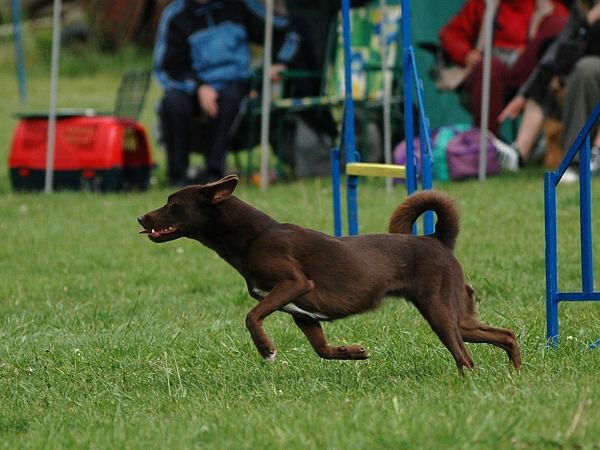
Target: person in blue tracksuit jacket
x,y
202,61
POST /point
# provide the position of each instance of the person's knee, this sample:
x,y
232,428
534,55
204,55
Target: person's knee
x,y
497,73
587,68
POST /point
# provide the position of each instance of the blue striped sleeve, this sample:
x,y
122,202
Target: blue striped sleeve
x,y
160,50
258,9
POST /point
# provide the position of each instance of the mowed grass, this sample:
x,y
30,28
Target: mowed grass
x,y
110,341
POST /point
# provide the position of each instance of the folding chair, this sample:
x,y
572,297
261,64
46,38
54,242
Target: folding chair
x,y
367,64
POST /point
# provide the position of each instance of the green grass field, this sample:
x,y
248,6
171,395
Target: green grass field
x,y
108,341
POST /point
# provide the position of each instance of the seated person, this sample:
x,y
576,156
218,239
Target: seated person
x,y
579,38
582,94
521,29
202,61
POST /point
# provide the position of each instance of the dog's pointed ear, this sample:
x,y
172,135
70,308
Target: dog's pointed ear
x,y
222,189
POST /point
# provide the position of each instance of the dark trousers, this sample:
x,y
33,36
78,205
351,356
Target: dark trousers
x,y
179,116
505,80
581,96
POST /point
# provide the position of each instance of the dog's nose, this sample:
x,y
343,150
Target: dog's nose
x,y
140,220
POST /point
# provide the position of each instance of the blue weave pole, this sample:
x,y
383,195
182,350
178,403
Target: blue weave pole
x,y
335,179
425,139
551,180
348,135
409,124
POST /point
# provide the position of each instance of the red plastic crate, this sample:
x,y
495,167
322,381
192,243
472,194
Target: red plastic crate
x,y
101,152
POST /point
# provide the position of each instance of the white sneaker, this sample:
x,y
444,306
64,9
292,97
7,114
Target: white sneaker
x,y
569,177
595,160
507,154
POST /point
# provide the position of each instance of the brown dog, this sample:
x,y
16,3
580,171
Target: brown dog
x,y
316,277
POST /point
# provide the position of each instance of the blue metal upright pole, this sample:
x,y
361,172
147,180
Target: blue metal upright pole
x,y
411,176
426,154
335,180
19,51
585,218
551,258
349,143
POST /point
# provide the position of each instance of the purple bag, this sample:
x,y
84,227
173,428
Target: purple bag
x,y
463,156
400,153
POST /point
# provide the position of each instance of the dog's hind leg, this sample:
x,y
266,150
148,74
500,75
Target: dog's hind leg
x,y
444,324
314,332
474,331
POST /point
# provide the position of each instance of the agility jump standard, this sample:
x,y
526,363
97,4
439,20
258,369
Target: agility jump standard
x,y
356,169
551,180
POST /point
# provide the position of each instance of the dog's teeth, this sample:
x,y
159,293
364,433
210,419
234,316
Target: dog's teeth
x,y
153,230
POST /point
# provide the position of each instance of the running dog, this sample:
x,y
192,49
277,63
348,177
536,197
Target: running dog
x,y
316,277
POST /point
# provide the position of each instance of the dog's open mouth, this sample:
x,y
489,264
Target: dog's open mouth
x,y
167,233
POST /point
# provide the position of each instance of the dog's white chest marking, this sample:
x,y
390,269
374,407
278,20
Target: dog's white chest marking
x,y
292,308
260,292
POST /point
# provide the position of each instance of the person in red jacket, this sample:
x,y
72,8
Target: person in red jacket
x,y
521,31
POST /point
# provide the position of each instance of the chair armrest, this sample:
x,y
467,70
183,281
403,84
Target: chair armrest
x,y
294,74
290,74
287,76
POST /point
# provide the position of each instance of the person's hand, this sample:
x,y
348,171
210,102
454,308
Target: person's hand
x,y
207,99
593,14
513,109
276,70
473,58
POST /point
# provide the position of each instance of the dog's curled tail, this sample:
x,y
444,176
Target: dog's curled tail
x,y
444,206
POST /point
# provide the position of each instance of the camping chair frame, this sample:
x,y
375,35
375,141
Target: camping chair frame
x,y
333,77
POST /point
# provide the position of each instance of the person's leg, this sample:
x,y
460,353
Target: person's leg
x,y
581,95
230,98
533,113
529,129
177,111
474,85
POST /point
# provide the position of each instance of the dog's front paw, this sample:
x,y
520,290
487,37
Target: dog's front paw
x,y
271,357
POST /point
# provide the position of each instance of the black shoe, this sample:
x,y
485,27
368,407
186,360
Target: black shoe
x,y
178,183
